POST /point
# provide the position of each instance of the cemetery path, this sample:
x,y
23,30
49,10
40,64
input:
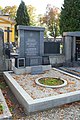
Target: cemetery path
x,y
65,112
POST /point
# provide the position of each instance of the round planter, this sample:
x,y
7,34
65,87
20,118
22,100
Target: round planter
x,y
52,86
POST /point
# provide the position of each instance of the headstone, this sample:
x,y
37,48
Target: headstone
x,y
69,39
2,61
31,44
51,47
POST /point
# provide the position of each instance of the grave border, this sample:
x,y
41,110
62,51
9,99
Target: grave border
x,y
33,105
6,113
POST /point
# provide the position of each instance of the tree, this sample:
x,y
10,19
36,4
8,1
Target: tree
x,y
51,19
31,11
22,17
1,8
70,16
11,10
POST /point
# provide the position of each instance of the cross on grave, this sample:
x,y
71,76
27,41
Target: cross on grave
x,y
8,31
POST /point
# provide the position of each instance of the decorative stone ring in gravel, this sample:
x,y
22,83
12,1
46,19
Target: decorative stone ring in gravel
x,y
51,82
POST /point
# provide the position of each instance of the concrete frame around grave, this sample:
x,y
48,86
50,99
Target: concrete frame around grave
x,y
34,51
31,105
69,39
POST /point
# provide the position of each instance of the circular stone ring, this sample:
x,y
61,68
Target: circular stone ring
x,y
50,86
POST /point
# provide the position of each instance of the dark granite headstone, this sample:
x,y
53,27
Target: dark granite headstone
x,y
31,45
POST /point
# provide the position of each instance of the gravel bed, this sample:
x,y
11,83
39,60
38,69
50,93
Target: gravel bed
x,y
65,112
27,81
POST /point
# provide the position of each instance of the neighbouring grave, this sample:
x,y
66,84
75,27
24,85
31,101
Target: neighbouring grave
x,y
71,46
2,60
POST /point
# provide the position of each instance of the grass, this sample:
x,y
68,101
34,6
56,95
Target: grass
x,y
51,81
1,109
2,85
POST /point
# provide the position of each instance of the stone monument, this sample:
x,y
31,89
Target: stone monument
x,y
31,44
2,60
71,46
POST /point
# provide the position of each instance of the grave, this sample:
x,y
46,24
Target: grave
x,y
31,103
31,44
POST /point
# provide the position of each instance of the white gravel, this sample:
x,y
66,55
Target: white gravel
x,y
65,112
27,81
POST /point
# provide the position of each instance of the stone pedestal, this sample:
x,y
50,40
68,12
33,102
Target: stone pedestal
x,y
35,60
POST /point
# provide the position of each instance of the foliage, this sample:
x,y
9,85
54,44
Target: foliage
x,y
22,17
1,8
11,10
1,109
70,16
51,19
31,11
2,85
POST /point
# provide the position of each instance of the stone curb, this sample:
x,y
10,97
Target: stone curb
x,y
6,113
33,105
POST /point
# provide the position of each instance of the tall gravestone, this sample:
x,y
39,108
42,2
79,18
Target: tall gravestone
x,y
31,44
70,45
2,61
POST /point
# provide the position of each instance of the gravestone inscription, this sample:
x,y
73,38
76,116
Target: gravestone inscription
x,y
31,47
32,43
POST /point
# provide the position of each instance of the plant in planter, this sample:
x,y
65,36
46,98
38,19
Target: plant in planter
x,y
51,81
1,109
